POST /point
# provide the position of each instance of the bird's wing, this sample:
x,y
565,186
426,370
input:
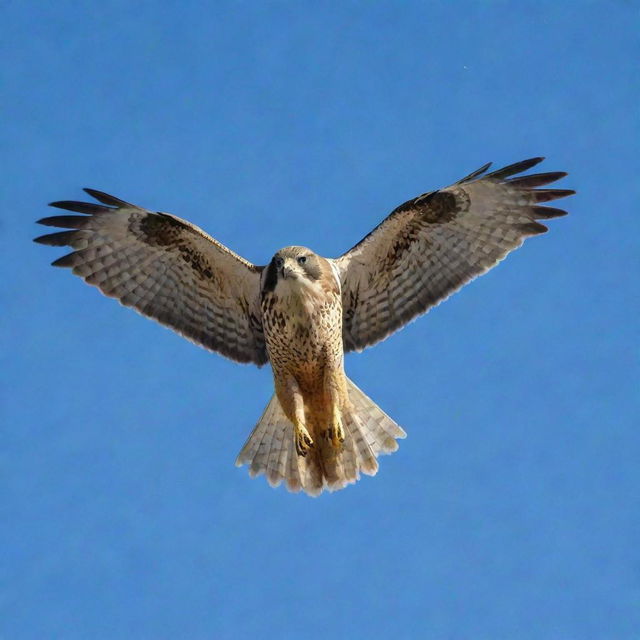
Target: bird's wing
x,y
167,269
432,245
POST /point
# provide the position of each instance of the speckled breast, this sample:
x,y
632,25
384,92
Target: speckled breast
x,y
303,335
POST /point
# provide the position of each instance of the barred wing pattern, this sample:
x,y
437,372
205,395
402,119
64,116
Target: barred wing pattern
x,y
167,269
432,245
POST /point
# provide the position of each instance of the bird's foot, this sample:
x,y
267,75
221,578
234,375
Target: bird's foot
x,y
304,441
335,434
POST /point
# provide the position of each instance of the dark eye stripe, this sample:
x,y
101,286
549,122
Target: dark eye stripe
x,y
270,277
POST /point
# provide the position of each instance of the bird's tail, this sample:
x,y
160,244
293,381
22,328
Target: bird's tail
x,y
270,449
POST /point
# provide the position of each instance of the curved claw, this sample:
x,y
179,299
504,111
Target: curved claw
x,y
335,435
304,441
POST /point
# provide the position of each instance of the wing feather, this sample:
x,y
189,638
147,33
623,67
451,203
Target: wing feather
x,y
432,245
165,268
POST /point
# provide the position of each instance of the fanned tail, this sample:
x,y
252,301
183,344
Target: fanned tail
x,y
270,449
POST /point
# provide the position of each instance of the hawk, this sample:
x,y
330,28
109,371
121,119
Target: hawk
x,y
301,312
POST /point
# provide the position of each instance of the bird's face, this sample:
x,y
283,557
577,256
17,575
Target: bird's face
x,y
293,268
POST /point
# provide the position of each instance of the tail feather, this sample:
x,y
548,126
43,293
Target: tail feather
x,y
360,448
276,461
270,449
258,445
380,430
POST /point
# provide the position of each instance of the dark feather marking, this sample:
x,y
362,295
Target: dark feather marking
x,y
437,207
159,229
173,220
433,207
80,207
270,277
196,261
409,205
64,222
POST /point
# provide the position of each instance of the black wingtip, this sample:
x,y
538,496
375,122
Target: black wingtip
x,y
88,208
532,228
65,222
476,173
65,261
536,179
106,198
516,167
58,239
546,195
545,213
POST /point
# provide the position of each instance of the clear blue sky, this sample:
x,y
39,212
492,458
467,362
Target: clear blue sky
x,y
510,511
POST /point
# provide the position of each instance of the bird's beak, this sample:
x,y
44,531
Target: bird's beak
x,y
288,272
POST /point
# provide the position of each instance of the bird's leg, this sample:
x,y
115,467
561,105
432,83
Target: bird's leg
x,y
304,441
335,432
290,398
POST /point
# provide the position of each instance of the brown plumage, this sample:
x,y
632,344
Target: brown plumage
x,y
301,311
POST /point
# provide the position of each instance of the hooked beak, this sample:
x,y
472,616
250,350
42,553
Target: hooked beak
x,y
287,272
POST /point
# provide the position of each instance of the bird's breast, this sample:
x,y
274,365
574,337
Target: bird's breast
x,y
302,332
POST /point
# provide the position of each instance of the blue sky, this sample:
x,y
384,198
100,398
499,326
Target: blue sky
x,y
510,511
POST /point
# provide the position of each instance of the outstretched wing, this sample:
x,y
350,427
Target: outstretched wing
x,y
167,269
432,245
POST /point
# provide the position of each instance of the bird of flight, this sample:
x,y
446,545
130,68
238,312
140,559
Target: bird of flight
x,y
302,312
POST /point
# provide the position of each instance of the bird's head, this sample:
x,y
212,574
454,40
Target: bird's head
x,y
296,267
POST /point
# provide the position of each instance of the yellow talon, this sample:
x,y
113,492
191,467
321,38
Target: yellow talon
x,y
304,441
336,434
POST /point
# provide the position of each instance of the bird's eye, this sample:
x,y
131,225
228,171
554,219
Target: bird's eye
x,y
302,259
279,262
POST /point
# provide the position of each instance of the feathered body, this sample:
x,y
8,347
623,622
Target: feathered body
x,y
301,312
301,304
302,319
